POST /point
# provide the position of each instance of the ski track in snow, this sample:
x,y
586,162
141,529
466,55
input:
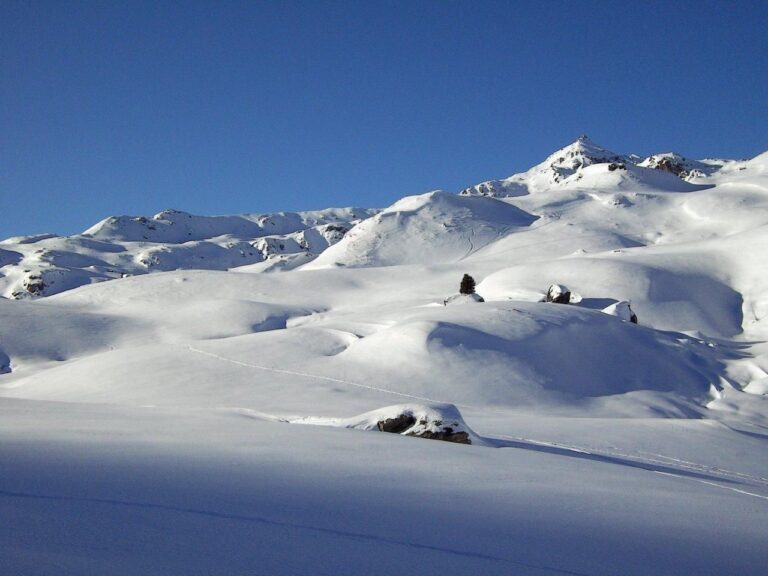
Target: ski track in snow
x,y
319,377
685,470
291,525
660,464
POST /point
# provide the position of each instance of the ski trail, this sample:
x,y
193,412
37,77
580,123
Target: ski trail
x,y
708,483
630,458
649,464
471,248
318,377
703,467
374,539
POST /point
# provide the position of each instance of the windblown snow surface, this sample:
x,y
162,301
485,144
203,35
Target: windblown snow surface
x,y
214,408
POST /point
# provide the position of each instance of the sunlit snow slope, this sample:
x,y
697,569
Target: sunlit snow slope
x,y
214,407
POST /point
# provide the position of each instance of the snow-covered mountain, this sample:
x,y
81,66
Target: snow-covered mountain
x,y
217,406
430,228
569,165
122,246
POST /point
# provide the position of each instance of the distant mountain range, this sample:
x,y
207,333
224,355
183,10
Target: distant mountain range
x,y
436,227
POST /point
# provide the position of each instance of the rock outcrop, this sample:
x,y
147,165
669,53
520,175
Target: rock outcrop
x,y
427,426
558,294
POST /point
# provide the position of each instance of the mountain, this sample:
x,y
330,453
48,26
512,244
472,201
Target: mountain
x,y
569,165
432,227
122,246
265,393
439,227
556,169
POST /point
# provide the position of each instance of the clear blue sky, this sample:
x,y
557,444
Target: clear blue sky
x,y
229,107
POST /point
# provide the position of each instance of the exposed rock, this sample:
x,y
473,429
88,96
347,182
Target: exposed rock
x,y
679,165
558,294
397,425
34,285
666,165
426,429
616,166
437,422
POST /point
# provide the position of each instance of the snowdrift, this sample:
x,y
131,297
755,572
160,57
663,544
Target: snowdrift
x,y
432,421
663,296
521,353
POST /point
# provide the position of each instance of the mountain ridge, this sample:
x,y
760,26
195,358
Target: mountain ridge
x,y
117,246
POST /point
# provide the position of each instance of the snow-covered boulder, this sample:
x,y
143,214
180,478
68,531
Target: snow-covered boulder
x,y
431,421
443,423
621,310
558,294
463,299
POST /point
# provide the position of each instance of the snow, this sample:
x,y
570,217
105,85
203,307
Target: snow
x,y
459,299
218,414
621,310
432,227
46,264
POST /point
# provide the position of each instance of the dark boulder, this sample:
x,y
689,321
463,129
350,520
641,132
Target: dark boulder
x,y
396,425
443,423
427,430
558,294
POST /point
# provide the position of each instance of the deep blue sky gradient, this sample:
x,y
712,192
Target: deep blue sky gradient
x,y
228,107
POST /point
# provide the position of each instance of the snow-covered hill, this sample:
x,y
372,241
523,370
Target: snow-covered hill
x,y
211,418
116,247
431,228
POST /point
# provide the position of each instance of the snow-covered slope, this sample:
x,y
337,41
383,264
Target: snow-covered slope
x,y
213,419
433,227
46,264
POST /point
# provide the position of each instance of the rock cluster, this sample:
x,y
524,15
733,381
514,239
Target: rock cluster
x,y
408,425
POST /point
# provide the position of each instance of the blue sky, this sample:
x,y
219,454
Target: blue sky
x,y
228,107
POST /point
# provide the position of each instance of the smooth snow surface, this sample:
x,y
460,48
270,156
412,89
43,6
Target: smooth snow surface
x,y
213,407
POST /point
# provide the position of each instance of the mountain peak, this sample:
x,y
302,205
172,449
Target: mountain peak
x,y
585,145
580,153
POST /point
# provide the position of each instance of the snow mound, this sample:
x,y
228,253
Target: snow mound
x,y
463,299
30,332
426,229
679,292
530,353
432,421
620,310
